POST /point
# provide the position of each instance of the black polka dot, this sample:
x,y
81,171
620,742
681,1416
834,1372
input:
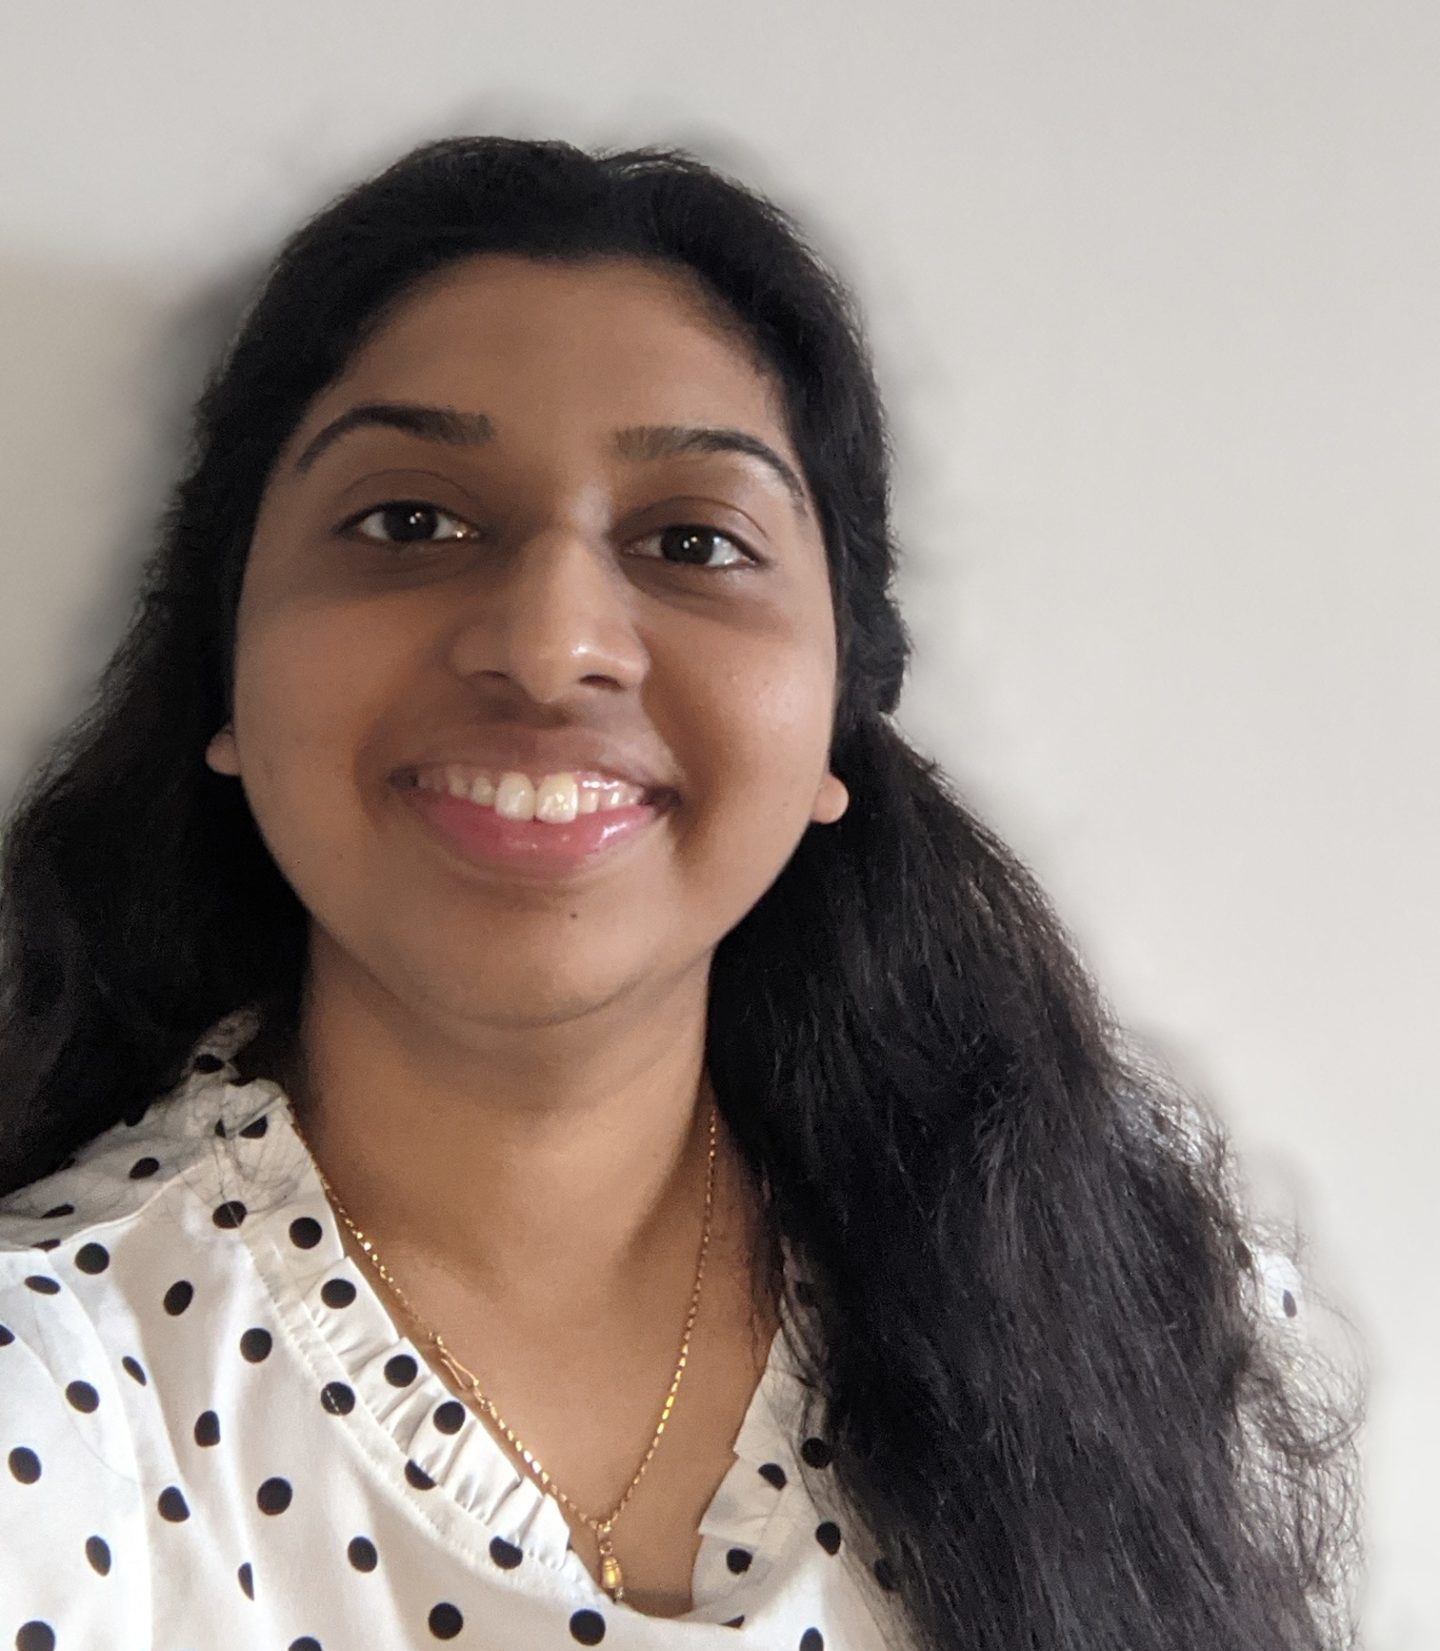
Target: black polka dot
x,y
173,1505
445,1621
255,1345
738,1560
255,1128
450,1416
418,1476
43,1285
275,1495
133,1367
35,1636
82,1396
178,1297
206,1063
92,1258
220,1128
361,1553
59,1209
136,1115
401,1370
804,1292
588,1627
48,1244
306,1642
229,1214
816,1452
1287,1301
337,1292
827,1535
774,1474
306,1232
97,1551
733,1622
207,1428
143,1168
505,1554
338,1398
247,1580
885,1575
6,1336
812,1640
25,1464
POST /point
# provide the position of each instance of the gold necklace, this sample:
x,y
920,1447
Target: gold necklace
x,y
612,1578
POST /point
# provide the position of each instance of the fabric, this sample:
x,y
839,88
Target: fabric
x,y
216,1435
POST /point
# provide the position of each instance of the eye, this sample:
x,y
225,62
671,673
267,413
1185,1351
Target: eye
x,y
406,514
691,542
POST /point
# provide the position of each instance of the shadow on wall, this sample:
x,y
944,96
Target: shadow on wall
x,y
99,375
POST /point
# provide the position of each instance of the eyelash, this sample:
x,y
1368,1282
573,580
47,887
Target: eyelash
x,y
748,556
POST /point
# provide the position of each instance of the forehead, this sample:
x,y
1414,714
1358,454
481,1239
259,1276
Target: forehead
x,y
606,335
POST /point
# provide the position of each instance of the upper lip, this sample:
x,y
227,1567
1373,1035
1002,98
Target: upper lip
x,y
516,750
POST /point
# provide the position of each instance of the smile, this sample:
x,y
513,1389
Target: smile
x,y
554,799
589,817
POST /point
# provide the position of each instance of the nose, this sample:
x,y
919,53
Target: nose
x,y
553,613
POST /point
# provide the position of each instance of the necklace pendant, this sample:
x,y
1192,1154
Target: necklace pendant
x,y
612,1578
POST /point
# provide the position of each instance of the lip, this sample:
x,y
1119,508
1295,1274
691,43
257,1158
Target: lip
x,y
530,848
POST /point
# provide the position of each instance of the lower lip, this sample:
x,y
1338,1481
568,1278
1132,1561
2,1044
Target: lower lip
x,y
529,846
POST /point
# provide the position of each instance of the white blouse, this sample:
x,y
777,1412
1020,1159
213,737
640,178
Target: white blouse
x,y
216,1436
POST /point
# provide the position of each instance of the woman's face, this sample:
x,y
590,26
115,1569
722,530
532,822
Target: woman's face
x,y
544,612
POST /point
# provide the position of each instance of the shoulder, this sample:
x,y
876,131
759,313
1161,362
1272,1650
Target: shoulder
x,y
1279,1283
93,1257
75,1281
96,1262
143,1169
71,1502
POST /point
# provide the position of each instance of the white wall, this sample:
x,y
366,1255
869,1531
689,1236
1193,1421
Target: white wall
x,y
1154,295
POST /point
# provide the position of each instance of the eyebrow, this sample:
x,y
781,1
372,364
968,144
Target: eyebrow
x,y
454,428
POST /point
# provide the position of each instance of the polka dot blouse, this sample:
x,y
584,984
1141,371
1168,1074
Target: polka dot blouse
x,y
215,1435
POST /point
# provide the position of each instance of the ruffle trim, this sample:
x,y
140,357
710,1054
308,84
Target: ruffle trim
x,y
347,1335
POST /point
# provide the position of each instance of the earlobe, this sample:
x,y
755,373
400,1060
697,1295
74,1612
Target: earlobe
x,y
831,800
221,754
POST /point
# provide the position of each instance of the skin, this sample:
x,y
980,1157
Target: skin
x,y
502,1079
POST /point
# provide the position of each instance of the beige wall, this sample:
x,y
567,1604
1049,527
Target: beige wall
x,y
1154,293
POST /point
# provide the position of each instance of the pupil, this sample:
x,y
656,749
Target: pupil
x,y
694,539
409,512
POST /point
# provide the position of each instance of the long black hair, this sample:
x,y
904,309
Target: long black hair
x,y
1053,1399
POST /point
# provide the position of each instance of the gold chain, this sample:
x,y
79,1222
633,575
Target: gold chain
x,y
612,1578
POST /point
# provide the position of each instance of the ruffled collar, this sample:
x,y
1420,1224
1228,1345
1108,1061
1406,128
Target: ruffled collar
x,y
379,1381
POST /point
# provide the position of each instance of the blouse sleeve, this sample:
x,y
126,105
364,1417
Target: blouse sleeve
x,y
74,1561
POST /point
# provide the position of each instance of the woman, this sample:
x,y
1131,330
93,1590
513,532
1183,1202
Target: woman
x,y
531,1116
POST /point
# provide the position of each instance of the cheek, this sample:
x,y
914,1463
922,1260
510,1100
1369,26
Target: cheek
x,y
772,704
308,689
760,766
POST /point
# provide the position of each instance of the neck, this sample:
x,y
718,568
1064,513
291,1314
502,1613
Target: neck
x,y
541,1170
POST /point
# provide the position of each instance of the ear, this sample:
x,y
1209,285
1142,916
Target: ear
x,y
831,800
222,754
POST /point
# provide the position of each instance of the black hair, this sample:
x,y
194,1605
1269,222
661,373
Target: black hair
x,y
1054,1402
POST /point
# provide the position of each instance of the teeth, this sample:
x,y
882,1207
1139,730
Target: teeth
x,y
515,797
556,800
